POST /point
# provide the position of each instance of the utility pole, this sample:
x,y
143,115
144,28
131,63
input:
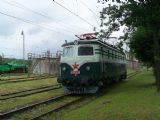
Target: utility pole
x,y
22,33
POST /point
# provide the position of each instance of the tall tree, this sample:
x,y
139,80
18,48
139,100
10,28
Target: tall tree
x,y
141,18
1,59
141,44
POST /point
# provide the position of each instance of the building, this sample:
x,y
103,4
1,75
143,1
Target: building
x,y
132,62
44,64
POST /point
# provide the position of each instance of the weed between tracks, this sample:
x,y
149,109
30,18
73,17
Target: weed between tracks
x,y
42,109
6,105
8,76
130,100
135,99
129,71
14,87
22,101
58,115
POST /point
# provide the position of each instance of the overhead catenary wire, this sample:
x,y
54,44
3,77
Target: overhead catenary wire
x,y
17,49
30,22
28,50
74,14
77,5
21,6
16,4
94,14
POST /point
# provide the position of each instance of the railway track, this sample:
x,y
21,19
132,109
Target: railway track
x,y
58,108
38,116
23,80
133,74
5,115
73,102
29,92
16,78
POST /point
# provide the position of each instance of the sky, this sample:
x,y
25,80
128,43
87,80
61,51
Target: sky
x,y
46,24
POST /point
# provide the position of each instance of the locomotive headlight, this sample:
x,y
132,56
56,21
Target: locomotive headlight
x,y
88,68
64,68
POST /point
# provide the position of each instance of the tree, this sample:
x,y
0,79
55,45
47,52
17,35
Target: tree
x,y
142,45
1,61
141,19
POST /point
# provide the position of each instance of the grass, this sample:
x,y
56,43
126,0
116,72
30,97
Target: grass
x,y
129,71
42,109
7,105
12,76
14,87
135,99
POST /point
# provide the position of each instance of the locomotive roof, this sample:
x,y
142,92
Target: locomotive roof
x,y
95,41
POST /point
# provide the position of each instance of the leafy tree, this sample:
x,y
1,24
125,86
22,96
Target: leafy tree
x,y
141,44
142,29
1,59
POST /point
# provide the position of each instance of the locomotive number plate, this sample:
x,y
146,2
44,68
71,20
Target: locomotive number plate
x,y
75,72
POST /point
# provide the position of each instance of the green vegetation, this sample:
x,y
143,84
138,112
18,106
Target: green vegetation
x,y
42,109
140,20
129,71
14,87
20,86
135,99
9,104
13,103
12,76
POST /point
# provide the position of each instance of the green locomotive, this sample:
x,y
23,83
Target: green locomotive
x,y
88,63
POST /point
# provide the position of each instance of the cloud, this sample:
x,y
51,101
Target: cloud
x,y
34,31
51,24
7,26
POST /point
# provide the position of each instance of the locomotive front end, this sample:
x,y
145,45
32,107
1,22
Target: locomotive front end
x,y
79,69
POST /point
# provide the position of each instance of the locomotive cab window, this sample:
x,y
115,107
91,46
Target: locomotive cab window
x,y
68,51
85,50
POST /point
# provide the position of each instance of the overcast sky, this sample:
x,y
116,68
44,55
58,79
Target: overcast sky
x,y
50,24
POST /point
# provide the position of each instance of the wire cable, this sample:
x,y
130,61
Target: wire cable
x,y
74,13
18,5
30,22
94,14
77,5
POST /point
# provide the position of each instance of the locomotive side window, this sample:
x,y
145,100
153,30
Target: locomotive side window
x,y
68,51
85,50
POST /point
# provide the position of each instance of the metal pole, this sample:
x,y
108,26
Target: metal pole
x,y
23,50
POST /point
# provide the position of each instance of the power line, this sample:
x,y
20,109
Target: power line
x,y
94,14
77,5
30,22
18,5
38,13
74,14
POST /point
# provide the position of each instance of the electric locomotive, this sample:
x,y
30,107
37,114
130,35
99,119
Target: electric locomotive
x,y
88,63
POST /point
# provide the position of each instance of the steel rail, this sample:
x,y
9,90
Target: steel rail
x,y
7,79
132,74
58,108
4,115
30,93
8,94
25,80
70,103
